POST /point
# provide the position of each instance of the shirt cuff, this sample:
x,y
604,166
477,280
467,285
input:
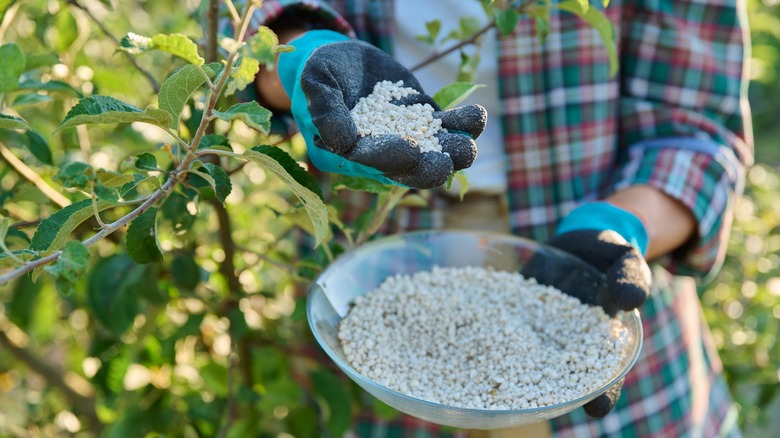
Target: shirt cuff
x,y
705,177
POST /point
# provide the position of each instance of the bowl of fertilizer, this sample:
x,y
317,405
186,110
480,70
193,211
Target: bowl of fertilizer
x,y
470,329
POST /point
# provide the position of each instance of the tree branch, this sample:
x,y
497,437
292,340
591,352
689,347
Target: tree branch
x,y
212,23
152,81
30,175
470,40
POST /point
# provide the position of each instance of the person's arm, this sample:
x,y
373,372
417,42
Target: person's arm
x,y
684,126
668,222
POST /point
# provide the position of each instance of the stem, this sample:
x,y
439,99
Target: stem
x,y
107,33
95,209
212,23
387,202
10,13
233,10
470,40
110,228
31,176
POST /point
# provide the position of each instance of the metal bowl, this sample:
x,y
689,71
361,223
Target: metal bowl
x,y
363,269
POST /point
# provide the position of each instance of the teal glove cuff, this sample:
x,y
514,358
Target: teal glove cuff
x,y
291,63
605,216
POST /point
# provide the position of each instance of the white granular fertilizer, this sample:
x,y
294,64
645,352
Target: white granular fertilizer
x,y
481,339
375,115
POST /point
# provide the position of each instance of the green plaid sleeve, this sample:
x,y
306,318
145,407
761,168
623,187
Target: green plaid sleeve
x,y
683,115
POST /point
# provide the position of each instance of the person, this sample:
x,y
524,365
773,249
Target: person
x,y
644,165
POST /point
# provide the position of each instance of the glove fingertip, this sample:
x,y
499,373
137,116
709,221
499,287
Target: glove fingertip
x,y
462,149
470,119
432,170
600,406
629,281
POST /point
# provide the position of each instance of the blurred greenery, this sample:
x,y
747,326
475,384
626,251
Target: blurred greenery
x,y
154,346
742,304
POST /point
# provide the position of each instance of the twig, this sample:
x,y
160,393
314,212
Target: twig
x,y
387,202
31,176
107,33
110,228
10,14
470,40
79,402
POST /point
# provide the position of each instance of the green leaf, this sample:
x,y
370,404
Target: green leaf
x,y
361,184
469,26
177,89
38,60
243,75
38,146
11,67
250,113
488,6
75,174
29,99
434,28
338,415
601,23
70,266
11,122
382,410
262,46
215,141
137,181
413,200
5,224
141,238
105,109
463,183
222,185
50,86
112,291
175,210
112,179
185,271
146,161
53,231
506,20
455,93
8,260
63,33
300,182
176,44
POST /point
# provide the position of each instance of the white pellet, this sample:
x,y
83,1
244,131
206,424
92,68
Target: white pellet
x,y
375,115
499,340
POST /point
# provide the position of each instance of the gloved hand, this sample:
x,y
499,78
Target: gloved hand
x,y
610,270
325,77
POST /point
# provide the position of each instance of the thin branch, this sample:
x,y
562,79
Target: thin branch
x,y
212,23
10,14
82,404
33,177
470,40
152,81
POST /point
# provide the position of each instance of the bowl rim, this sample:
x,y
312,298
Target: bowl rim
x,y
363,380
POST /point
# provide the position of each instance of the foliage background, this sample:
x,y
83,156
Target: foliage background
x,y
157,353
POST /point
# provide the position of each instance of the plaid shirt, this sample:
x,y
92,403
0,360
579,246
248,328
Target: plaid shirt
x,y
674,118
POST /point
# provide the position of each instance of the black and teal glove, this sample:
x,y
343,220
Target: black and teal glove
x,y
325,77
608,270
613,241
